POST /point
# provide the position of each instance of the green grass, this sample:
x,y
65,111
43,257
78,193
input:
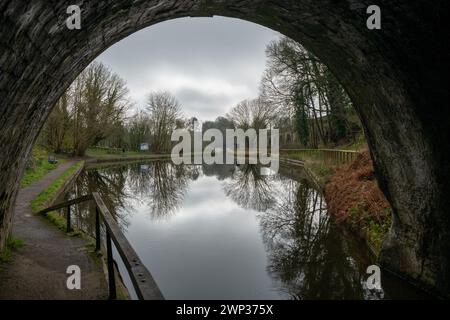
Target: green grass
x,y
41,167
57,220
99,260
45,196
12,244
315,163
359,144
61,223
321,171
372,229
34,174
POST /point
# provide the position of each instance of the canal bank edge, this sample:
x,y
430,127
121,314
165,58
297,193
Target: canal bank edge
x,y
60,185
320,181
56,190
48,196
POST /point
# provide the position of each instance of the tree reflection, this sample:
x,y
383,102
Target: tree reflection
x,y
160,185
166,187
220,171
307,254
110,185
308,257
249,189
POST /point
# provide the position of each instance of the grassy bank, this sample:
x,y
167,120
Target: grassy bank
x,y
40,166
369,226
359,144
12,244
49,194
321,170
354,198
352,195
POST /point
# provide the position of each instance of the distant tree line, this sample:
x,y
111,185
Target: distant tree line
x,y
94,112
298,95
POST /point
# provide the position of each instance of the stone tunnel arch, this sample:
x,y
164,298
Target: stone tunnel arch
x,y
395,77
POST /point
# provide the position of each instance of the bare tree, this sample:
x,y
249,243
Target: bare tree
x,y
91,110
296,81
138,130
99,106
256,114
164,113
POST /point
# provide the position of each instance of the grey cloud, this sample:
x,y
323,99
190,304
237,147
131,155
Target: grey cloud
x,y
203,105
181,53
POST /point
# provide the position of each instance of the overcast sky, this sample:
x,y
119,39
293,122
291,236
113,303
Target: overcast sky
x,y
209,64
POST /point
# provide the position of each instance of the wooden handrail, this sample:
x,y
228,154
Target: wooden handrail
x,y
299,162
328,155
143,282
311,176
331,150
66,204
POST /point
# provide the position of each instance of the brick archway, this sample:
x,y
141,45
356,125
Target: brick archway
x,y
395,77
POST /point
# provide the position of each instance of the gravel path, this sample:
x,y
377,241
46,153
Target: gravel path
x,y
38,270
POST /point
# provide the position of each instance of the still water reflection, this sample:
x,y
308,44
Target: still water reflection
x,y
226,232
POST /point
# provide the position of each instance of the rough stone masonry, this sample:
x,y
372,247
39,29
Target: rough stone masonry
x,y
396,77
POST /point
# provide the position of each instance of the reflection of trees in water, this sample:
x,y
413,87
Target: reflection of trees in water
x,y
161,185
307,254
308,257
110,184
220,171
166,186
82,219
249,189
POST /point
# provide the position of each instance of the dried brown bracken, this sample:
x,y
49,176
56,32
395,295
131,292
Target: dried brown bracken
x,y
355,185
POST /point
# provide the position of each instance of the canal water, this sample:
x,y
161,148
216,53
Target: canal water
x,y
228,232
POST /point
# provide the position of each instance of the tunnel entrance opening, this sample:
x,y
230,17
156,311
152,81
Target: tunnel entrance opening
x,y
392,75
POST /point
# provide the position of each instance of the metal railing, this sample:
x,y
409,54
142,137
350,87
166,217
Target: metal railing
x,y
310,175
327,155
143,282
